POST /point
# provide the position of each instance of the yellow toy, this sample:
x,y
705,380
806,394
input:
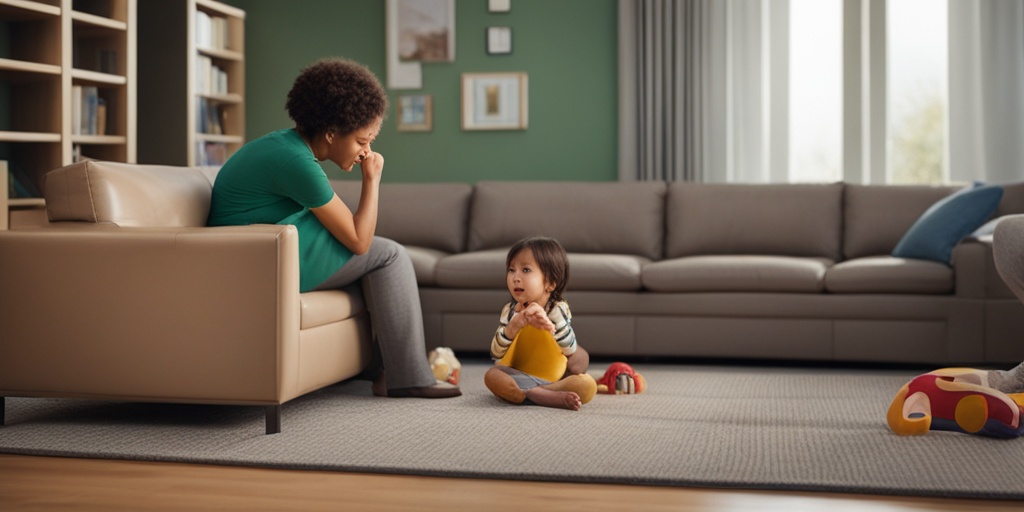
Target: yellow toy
x,y
536,352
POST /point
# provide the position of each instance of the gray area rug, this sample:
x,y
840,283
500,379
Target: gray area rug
x,y
706,426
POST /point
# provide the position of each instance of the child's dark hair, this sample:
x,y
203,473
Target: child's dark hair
x,y
551,259
335,94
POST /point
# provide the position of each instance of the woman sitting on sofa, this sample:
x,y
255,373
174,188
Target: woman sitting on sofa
x,y
338,107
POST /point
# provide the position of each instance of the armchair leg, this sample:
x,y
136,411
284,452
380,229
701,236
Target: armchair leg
x,y
273,419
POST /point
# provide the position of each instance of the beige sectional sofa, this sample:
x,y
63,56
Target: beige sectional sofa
x,y
781,272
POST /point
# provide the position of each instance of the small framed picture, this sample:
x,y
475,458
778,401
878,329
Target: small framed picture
x,y
494,101
499,40
499,5
415,113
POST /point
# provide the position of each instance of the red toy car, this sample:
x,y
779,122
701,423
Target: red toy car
x,y
955,399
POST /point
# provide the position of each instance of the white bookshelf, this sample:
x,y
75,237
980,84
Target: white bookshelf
x,y
197,49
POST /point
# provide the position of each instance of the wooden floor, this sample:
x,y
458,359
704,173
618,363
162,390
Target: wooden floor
x,y
53,484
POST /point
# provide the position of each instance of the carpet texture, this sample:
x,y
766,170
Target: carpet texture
x,y
707,426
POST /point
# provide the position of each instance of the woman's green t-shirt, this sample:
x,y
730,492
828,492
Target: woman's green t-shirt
x,y
276,180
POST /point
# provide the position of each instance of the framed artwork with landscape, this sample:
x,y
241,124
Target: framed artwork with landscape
x,y
426,30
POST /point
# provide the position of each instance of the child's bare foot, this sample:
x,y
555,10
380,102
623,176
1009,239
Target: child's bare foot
x,y
583,385
558,399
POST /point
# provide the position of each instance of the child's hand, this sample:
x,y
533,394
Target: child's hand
x,y
537,317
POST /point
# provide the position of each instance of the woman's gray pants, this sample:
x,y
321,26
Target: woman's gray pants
x,y
389,288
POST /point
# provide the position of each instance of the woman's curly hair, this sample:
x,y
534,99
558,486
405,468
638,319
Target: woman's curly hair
x,y
335,94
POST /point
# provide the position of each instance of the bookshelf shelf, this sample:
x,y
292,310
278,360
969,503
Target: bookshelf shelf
x,y
223,98
13,136
218,8
22,10
26,202
197,116
226,139
29,67
85,20
98,139
53,49
84,75
221,54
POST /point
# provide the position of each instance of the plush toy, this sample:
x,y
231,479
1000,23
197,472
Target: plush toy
x,y
621,379
958,400
445,365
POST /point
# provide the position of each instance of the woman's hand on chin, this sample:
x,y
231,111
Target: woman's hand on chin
x,y
372,166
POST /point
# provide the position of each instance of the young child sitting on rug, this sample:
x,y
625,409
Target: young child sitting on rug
x,y
535,344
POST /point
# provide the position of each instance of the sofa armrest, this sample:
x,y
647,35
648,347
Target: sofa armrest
x,y
975,271
161,314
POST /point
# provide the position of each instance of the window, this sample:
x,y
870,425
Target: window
x,y
815,90
910,130
918,63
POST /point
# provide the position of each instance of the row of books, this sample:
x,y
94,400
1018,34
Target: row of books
x,y
211,31
88,111
211,154
20,183
210,117
210,78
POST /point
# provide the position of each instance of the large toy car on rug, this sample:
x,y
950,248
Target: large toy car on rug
x,y
958,400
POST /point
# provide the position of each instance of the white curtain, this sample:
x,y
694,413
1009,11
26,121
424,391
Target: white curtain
x,y
986,90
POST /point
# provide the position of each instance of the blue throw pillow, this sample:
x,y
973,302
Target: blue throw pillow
x,y
948,221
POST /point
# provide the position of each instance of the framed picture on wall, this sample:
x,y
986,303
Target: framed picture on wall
x,y
415,113
426,30
499,5
494,101
499,40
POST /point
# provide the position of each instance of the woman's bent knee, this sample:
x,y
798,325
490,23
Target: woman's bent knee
x,y
388,249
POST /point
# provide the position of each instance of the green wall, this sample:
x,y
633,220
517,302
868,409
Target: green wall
x,y
568,48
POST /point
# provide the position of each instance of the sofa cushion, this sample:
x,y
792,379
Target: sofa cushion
x,y
975,272
477,269
424,263
605,272
431,215
329,306
128,195
486,270
630,216
775,219
945,223
737,273
886,274
1013,199
877,216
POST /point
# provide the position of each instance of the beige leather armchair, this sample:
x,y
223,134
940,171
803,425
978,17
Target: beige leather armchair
x,y
127,295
